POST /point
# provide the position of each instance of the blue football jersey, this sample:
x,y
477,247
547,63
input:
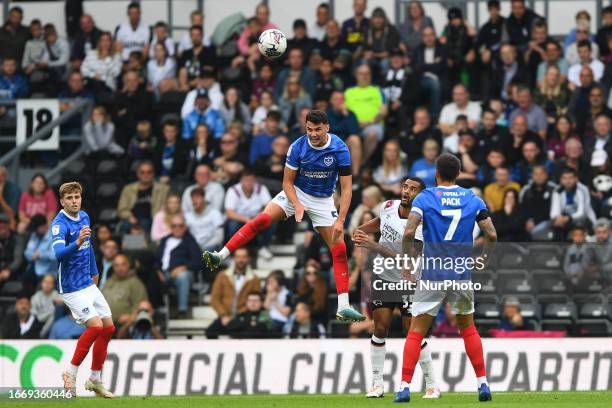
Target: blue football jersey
x,y
317,167
77,265
448,215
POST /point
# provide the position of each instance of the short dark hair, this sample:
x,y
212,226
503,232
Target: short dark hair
x,y
17,9
198,191
134,4
170,122
248,173
584,43
160,24
419,180
196,27
567,170
606,10
448,167
317,117
493,4
274,115
326,6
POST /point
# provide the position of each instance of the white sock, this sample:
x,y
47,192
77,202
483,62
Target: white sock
x,y
404,384
96,375
224,253
72,369
377,357
426,364
343,301
482,380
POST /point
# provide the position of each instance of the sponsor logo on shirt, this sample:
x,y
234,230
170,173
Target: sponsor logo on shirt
x,y
55,230
328,160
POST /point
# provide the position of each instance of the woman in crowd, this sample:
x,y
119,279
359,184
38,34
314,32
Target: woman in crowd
x,y
161,220
552,94
39,199
312,289
561,133
390,173
102,66
202,150
233,109
371,200
411,30
293,100
160,68
98,134
510,221
277,300
266,104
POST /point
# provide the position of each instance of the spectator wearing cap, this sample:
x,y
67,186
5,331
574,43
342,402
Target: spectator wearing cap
x,y
536,196
317,29
13,35
602,139
11,251
520,23
133,34
205,222
38,252
9,196
296,69
194,60
367,101
178,260
585,56
429,61
21,324
301,40
85,40
203,113
411,30
583,28
123,290
355,29
206,80
381,37
262,14
511,318
537,121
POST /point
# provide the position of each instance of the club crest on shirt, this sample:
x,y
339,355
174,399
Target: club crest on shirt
x,y
55,229
328,160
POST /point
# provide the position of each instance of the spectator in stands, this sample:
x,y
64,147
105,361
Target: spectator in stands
x,y
343,123
532,156
519,135
292,101
355,29
178,260
535,199
552,94
602,139
205,222
461,105
495,192
334,47
132,104
401,102
270,169
603,249
429,61
64,327
85,40
326,84
552,57
161,69
39,199
392,171
197,19
277,299
21,324
206,80
202,150
579,101
425,167
230,291
213,191
171,156
509,219
605,32
75,89
203,113
574,159
295,69
368,104
536,50
13,35
265,82
57,52
312,290
262,14
585,119
13,85
229,160
161,35
317,29
583,28
194,60
140,324
99,134
234,110
301,40
412,30
509,70
421,130
576,262
520,24
44,302
372,199
559,137
581,16
261,145
458,39
123,290
35,54
39,252
380,38
511,318
301,325
244,201
162,220
448,326
9,196
569,205
143,144
254,322
141,200
585,55
470,154
108,251
133,34
491,36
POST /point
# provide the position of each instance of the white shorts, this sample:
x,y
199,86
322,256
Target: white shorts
x,y
321,210
427,301
87,303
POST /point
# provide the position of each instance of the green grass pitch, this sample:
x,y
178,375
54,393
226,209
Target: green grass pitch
x,y
501,399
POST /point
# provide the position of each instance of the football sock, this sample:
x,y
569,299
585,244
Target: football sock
x,y
84,344
377,357
341,274
426,364
412,350
100,347
224,253
73,369
473,348
404,384
96,375
248,231
482,380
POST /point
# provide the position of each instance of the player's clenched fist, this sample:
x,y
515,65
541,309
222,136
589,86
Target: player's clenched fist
x,y
83,235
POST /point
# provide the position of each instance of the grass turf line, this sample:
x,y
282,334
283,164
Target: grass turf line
x,y
595,399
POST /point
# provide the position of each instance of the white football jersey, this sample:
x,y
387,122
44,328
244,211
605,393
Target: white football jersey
x,y
133,40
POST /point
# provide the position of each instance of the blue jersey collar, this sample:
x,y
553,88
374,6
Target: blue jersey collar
x,y
71,217
325,146
453,186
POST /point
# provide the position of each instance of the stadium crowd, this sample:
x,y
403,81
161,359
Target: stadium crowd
x,y
187,141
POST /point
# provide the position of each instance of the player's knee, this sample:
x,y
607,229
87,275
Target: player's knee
x,y
262,221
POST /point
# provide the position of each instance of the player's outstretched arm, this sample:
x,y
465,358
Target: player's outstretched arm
x,y
490,234
289,189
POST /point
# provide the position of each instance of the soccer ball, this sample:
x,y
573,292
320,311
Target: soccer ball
x,y
272,43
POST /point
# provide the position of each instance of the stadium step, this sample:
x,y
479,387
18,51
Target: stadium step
x,y
203,312
283,250
188,328
286,263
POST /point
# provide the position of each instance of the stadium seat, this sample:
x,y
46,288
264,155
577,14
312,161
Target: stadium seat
x,y
550,282
545,256
108,216
593,327
511,256
338,329
108,170
558,316
107,194
486,280
591,306
513,282
487,307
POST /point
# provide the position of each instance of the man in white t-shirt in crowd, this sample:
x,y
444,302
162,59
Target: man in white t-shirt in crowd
x,y
460,105
243,201
204,222
213,191
133,35
317,29
585,53
197,19
161,34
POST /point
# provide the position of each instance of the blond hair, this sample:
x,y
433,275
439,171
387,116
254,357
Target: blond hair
x,y
71,187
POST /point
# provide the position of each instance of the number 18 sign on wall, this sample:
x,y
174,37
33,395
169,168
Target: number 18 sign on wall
x,y
33,114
